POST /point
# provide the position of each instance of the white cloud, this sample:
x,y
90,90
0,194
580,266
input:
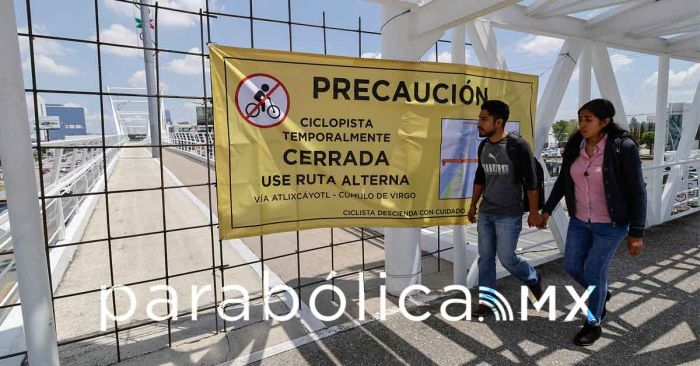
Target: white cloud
x,y
188,65
45,51
445,56
165,18
681,84
138,79
94,123
620,62
120,34
685,78
44,63
539,45
43,46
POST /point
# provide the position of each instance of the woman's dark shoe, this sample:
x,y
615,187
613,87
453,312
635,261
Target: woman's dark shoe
x,y
605,310
481,311
588,335
602,315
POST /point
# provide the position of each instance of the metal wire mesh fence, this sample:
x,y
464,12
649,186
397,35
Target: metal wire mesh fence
x,y
104,148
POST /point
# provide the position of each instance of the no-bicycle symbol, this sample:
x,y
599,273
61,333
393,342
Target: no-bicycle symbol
x,y
262,100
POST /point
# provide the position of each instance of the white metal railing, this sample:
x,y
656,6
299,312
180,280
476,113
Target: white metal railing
x,y
687,197
687,201
193,144
70,167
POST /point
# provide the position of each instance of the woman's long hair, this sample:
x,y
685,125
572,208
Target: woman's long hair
x,y
602,109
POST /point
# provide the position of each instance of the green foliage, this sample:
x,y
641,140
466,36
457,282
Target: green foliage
x,y
563,129
647,139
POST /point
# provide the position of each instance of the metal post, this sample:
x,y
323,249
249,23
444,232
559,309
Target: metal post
x,y
485,45
659,137
584,72
149,66
23,206
459,243
402,245
605,76
546,111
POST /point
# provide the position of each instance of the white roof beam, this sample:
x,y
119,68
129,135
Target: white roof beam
x,y
607,83
444,14
485,45
651,13
605,17
538,6
557,83
515,18
564,7
689,25
684,43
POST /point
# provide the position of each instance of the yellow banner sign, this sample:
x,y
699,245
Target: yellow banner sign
x,y
307,141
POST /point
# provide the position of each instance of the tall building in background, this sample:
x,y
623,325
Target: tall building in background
x,y
677,117
71,121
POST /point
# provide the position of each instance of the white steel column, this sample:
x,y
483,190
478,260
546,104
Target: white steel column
x,y
584,75
485,45
402,245
682,153
554,91
546,111
605,76
149,67
459,242
23,206
659,138
458,45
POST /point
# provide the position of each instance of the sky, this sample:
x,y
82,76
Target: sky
x,y
69,65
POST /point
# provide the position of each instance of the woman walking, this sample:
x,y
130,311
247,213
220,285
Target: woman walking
x,y
602,183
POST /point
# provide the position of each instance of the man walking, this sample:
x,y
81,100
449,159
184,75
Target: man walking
x,y
506,179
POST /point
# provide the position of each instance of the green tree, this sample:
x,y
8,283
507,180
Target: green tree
x,y
563,129
648,140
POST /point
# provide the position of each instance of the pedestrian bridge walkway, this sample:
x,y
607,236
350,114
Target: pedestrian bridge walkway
x,y
653,310
652,320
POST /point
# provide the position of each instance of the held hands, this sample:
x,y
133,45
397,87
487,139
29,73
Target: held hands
x,y
534,219
544,218
634,245
471,215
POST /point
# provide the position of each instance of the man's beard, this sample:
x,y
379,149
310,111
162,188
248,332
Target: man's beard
x,y
484,134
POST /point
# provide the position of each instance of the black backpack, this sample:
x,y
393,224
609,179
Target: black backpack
x,y
513,151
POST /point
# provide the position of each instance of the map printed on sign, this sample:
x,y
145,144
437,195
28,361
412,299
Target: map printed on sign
x,y
459,156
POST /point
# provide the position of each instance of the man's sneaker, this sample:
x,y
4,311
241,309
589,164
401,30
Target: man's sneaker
x,y
481,311
536,289
588,335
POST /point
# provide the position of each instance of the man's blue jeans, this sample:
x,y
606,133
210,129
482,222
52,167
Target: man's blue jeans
x,y
498,235
589,250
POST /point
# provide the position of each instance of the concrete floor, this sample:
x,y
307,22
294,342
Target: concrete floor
x,y
653,311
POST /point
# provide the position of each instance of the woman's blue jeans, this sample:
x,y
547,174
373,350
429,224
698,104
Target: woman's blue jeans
x,y
589,250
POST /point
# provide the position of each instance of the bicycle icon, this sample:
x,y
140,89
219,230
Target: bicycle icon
x,y
262,100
